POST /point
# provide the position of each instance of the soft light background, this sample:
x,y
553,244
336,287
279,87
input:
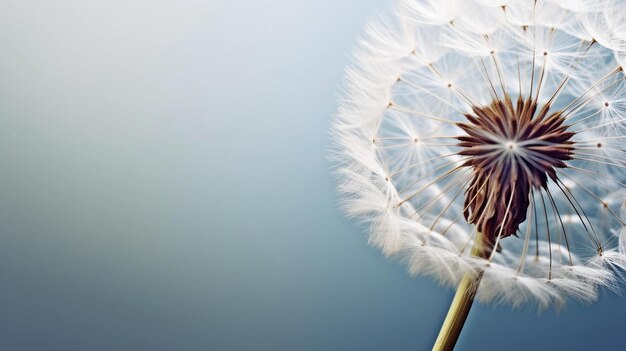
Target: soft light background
x,y
164,186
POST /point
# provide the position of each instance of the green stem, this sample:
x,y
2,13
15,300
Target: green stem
x,y
461,304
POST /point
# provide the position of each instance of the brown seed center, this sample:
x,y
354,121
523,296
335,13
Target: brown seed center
x,y
511,149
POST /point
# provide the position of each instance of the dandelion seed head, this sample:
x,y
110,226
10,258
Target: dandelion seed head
x,y
505,118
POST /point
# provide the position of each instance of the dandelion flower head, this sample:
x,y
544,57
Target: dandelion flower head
x,y
505,118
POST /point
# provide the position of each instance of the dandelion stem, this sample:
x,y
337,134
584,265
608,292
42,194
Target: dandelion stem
x,y
461,304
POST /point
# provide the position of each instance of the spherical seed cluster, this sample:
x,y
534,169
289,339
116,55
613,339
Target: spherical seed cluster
x,y
504,117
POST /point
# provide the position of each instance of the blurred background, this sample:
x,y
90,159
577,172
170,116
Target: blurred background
x,y
164,186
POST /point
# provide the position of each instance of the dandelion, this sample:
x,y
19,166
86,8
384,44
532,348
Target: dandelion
x,y
483,142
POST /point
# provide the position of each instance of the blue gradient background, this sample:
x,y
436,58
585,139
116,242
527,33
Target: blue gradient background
x,y
164,186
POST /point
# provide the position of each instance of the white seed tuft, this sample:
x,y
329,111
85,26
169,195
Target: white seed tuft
x,y
416,76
